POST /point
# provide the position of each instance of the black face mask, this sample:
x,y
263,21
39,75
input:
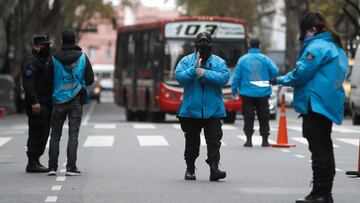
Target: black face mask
x,y
44,51
205,51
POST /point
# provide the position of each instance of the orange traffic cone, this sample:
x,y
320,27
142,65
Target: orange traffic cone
x,y
282,139
355,173
2,112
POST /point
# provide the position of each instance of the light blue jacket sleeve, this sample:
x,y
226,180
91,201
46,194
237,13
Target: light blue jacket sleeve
x,y
220,77
184,72
273,69
308,65
236,79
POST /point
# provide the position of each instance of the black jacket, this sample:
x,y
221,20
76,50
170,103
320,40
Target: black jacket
x,y
68,54
35,80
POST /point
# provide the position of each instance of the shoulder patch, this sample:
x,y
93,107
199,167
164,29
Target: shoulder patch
x,y
309,57
28,73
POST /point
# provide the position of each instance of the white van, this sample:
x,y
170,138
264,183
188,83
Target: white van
x,y
354,98
105,74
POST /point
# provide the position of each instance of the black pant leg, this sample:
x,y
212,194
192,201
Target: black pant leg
x,y
263,114
213,135
75,113
191,128
38,131
317,130
58,118
249,115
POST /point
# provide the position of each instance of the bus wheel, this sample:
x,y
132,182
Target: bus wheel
x,y
141,115
230,118
130,115
157,117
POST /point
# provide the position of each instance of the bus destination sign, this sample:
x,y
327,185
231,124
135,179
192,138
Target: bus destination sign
x,y
219,30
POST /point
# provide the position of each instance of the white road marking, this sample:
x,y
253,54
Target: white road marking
x,y
345,130
338,170
51,199
63,170
56,187
203,141
64,164
275,128
152,140
20,127
305,142
176,126
299,156
352,141
99,141
14,132
256,140
4,140
61,178
295,128
105,126
88,114
285,150
144,126
228,127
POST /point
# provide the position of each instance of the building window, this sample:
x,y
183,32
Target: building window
x,y
108,55
92,53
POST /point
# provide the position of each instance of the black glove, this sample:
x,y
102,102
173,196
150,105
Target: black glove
x,y
273,81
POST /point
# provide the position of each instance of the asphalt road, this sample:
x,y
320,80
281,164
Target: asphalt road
x,y
143,162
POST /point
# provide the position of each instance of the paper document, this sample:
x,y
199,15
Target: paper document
x,y
263,83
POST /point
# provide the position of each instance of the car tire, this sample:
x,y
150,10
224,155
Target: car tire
x,y
355,118
230,118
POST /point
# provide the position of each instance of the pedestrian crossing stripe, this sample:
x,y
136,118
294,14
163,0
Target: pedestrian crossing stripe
x,y
105,126
351,141
203,141
152,140
99,141
256,139
144,126
345,130
228,127
176,126
305,142
4,140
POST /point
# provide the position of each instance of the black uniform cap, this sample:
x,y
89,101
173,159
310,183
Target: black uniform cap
x,y
204,38
41,39
68,37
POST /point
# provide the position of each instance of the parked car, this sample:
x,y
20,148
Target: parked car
x,y
273,102
94,90
354,97
105,73
288,92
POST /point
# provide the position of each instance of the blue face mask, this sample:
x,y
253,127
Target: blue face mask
x,y
308,35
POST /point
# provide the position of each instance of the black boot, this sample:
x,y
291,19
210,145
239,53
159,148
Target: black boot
x,y
321,193
190,174
34,166
248,142
215,173
265,142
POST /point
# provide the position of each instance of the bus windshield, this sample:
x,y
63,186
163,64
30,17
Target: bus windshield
x,y
176,49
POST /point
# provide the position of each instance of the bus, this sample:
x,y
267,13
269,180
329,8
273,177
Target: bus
x,y
147,55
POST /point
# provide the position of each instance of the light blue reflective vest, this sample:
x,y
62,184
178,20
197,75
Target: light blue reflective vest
x,y
318,78
68,79
252,68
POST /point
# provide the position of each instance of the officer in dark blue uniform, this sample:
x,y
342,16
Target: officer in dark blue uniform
x,y
38,102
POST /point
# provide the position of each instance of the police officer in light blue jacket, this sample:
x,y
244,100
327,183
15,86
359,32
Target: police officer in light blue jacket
x,y
251,82
318,79
202,75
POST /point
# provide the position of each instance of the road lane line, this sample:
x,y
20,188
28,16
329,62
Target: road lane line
x,y
352,141
60,178
4,140
88,114
285,150
56,187
99,141
228,127
305,142
176,126
144,126
299,156
256,140
104,126
51,199
339,170
152,140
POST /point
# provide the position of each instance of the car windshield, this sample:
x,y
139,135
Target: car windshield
x,y
176,49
